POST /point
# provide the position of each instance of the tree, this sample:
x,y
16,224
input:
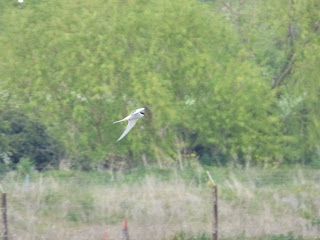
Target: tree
x,y
212,75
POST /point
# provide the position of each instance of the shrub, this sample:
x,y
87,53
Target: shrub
x,y
25,138
185,236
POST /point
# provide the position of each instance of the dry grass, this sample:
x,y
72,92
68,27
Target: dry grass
x,y
80,206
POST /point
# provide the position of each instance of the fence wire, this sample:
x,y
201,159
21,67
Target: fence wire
x,y
251,204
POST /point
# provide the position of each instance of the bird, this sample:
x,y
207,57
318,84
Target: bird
x,y
132,120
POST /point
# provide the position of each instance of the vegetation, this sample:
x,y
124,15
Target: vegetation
x,y
274,204
27,142
229,80
228,86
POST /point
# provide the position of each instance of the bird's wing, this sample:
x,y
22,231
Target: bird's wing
x,y
131,123
136,111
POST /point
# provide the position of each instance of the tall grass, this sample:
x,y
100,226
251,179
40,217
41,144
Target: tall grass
x,y
164,204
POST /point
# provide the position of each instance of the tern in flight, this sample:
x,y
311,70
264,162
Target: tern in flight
x,y
132,119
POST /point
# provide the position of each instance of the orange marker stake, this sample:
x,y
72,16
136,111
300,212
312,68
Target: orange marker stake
x,y
125,233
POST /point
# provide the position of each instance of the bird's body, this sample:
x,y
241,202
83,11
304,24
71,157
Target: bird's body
x,y
132,120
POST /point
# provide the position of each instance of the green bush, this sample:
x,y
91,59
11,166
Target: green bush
x,y
24,138
25,166
289,236
184,236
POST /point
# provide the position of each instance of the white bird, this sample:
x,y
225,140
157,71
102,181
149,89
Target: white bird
x,y
132,120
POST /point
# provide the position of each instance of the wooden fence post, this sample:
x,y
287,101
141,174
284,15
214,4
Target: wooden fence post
x,y
215,212
4,216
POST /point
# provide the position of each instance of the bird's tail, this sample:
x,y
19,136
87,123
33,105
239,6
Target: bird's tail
x,y
122,120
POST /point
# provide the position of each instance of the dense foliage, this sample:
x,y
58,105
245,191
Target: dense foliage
x,y
229,80
24,139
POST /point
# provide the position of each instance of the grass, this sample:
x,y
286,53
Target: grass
x,y
165,204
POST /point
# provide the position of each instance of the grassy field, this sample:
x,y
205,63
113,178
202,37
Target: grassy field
x,y
165,204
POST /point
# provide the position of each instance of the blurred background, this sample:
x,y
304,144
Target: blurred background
x,y
228,84
227,80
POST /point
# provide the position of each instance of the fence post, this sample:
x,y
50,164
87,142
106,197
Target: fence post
x,y
4,216
215,212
